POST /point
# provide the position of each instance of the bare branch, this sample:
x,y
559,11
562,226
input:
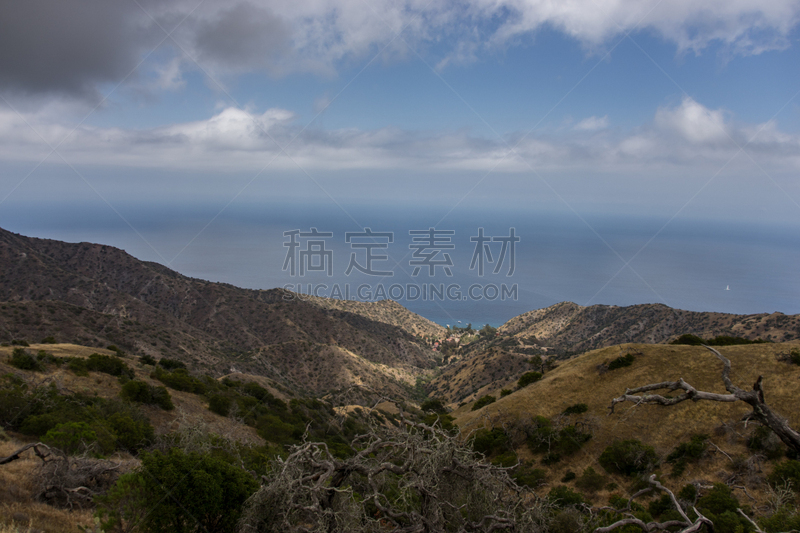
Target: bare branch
x,y
36,445
755,398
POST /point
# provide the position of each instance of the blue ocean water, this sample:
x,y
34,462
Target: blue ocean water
x,y
693,264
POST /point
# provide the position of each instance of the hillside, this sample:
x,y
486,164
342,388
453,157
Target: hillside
x,y
570,327
99,295
583,380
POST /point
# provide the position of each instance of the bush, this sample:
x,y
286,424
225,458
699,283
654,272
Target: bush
x,y
18,342
483,402
488,441
527,378
687,452
689,339
71,437
788,471
220,404
764,440
544,438
23,360
141,392
590,481
148,360
563,496
620,362
179,379
505,392
794,357
78,366
434,404
171,364
132,434
531,477
569,476
49,340
182,492
628,457
109,365
577,409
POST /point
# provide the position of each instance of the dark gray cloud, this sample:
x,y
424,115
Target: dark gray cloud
x,y
243,37
58,46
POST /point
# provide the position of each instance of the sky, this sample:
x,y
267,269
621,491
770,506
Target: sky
x,y
151,125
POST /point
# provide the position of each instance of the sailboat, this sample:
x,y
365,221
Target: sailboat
x,y
727,287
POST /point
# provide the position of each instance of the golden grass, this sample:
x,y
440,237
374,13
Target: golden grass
x,y
17,500
578,381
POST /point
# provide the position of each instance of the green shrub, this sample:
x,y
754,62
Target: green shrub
x,y
787,471
489,441
434,404
563,496
483,402
181,492
71,437
179,379
505,392
568,476
109,365
78,366
590,481
527,378
141,392
718,500
443,421
620,362
171,364
689,339
577,409
131,434
530,477
628,457
49,340
687,452
544,438
787,518
220,404
148,360
764,440
23,360
794,357
19,342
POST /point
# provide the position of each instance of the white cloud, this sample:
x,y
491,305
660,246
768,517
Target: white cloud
x,y
693,122
320,36
592,124
686,135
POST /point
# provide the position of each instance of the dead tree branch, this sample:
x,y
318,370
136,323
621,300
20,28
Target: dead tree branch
x,y
37,449
761,412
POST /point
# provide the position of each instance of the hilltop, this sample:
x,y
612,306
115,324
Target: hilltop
x,y
98,295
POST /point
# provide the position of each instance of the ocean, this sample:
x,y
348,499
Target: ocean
x,y
693,264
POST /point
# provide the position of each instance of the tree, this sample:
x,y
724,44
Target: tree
x,y
413,478
182,492
761,412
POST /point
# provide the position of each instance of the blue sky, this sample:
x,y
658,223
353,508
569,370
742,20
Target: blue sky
x,y
674,109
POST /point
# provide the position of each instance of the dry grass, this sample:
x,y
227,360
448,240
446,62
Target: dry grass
x,y
19,512
579,381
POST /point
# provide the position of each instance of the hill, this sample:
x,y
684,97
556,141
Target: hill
x,y
569,327
731,457
99,295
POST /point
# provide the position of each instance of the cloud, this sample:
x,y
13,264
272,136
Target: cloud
x,y
592,123
687,135
243,37
52,46
693,122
